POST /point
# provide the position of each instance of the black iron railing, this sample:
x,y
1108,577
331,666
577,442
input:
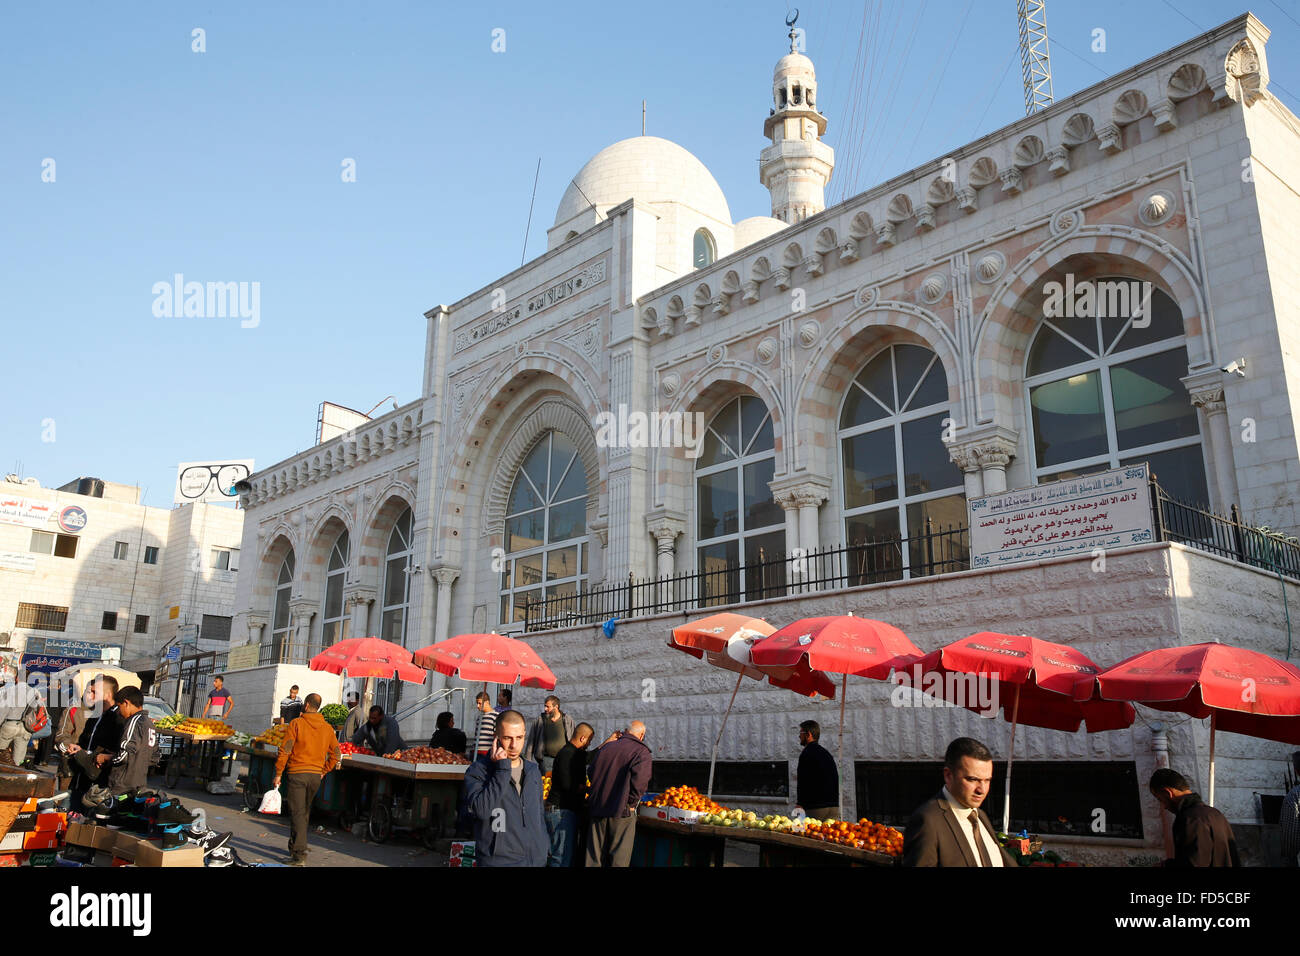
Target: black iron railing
x,y
824,569
1198,527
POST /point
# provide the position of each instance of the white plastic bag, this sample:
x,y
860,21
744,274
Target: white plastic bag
x,y
270,802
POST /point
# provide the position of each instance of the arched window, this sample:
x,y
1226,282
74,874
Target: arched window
x,y
705,250
335,627
899,484
546,528
1103,390
397,581
736,517
280,617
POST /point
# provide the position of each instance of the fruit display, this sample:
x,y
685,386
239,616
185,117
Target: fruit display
x,y
426,755
864,835
201,727
686,798
349,748
168,722
546,785
273,736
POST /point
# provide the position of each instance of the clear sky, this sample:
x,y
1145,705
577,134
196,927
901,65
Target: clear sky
x,y
226,166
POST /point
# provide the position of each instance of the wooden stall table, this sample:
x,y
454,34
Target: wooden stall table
x,y
666,843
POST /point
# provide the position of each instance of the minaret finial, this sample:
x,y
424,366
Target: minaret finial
x,y
790,21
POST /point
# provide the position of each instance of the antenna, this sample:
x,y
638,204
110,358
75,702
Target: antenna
x,y
530,210
643,117
1035,59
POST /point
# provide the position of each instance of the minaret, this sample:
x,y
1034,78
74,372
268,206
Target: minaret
x,y
797,166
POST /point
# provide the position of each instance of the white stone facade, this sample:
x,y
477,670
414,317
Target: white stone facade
x,y
1141,176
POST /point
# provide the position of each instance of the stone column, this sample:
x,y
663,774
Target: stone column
x,y
256,628
358,599
301,613
789,502
811,495
665,526
1218,437
446,577
963,456
993,456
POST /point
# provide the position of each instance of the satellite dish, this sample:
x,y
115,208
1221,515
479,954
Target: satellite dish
x,y
792,17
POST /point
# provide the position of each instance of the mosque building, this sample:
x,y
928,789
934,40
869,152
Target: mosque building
x,y
841,383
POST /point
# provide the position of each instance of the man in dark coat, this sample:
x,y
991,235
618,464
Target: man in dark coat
x,y
817,791
950,829
1202,836
503,794
620,774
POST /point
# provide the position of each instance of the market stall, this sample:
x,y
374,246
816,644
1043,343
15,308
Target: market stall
x,y
199,750
418,790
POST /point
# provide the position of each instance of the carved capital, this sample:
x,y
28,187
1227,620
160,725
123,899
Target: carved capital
x,y
749,292
849,251
600,527
967,199
793,492
1109,138
885,234
1165,117
1058,160
1012,180
664,526
1209,398
996,453
925,216
445,577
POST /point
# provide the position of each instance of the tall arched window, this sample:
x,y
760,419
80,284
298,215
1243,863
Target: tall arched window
x,y
397,581
335,627
706,252
736,516
546,528
899,483
1103,390
280,617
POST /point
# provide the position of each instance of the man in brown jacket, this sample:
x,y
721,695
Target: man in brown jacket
x,y
310,750
1202,836
950,829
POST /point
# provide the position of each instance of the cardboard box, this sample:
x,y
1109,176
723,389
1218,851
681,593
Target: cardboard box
x,y
125,845
89,835
43,840
153,855
670,813
12,843
42,858
462,854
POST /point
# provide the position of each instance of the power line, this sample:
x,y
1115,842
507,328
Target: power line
x,y
938,86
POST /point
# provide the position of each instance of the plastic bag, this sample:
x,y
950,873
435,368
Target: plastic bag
x,y
270,802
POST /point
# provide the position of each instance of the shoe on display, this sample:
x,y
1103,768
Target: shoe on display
x,y
210,840
221,856
169,812
173,837
237,859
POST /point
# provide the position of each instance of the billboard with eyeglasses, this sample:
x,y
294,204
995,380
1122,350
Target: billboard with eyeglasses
x,y
210,481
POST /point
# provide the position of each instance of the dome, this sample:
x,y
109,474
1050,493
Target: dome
x,y
755,229
793,64
652,170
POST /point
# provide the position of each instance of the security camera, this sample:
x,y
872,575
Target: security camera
x,y
414,569
1235,367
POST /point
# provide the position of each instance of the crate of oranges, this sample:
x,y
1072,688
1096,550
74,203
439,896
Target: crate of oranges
x,y
682,804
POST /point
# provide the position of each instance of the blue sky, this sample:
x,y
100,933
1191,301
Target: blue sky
x,y
225,166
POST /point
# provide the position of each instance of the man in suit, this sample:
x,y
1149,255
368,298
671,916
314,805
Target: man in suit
x,y
950,829
1202,836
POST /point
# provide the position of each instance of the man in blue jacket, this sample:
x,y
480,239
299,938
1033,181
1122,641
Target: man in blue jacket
x,y
620,773
503,793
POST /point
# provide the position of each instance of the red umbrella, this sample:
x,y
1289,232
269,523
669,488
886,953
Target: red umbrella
x,y
493,658
842,644
1045,681
368,657
1240,690
725,640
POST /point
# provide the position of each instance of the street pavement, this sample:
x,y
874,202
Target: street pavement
x,y
260,838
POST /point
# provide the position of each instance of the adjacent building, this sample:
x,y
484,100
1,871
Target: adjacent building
x,y
89,573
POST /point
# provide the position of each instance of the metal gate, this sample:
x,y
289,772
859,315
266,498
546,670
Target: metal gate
x,y
196,673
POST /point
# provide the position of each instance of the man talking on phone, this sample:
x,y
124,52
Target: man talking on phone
x,y
503,793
